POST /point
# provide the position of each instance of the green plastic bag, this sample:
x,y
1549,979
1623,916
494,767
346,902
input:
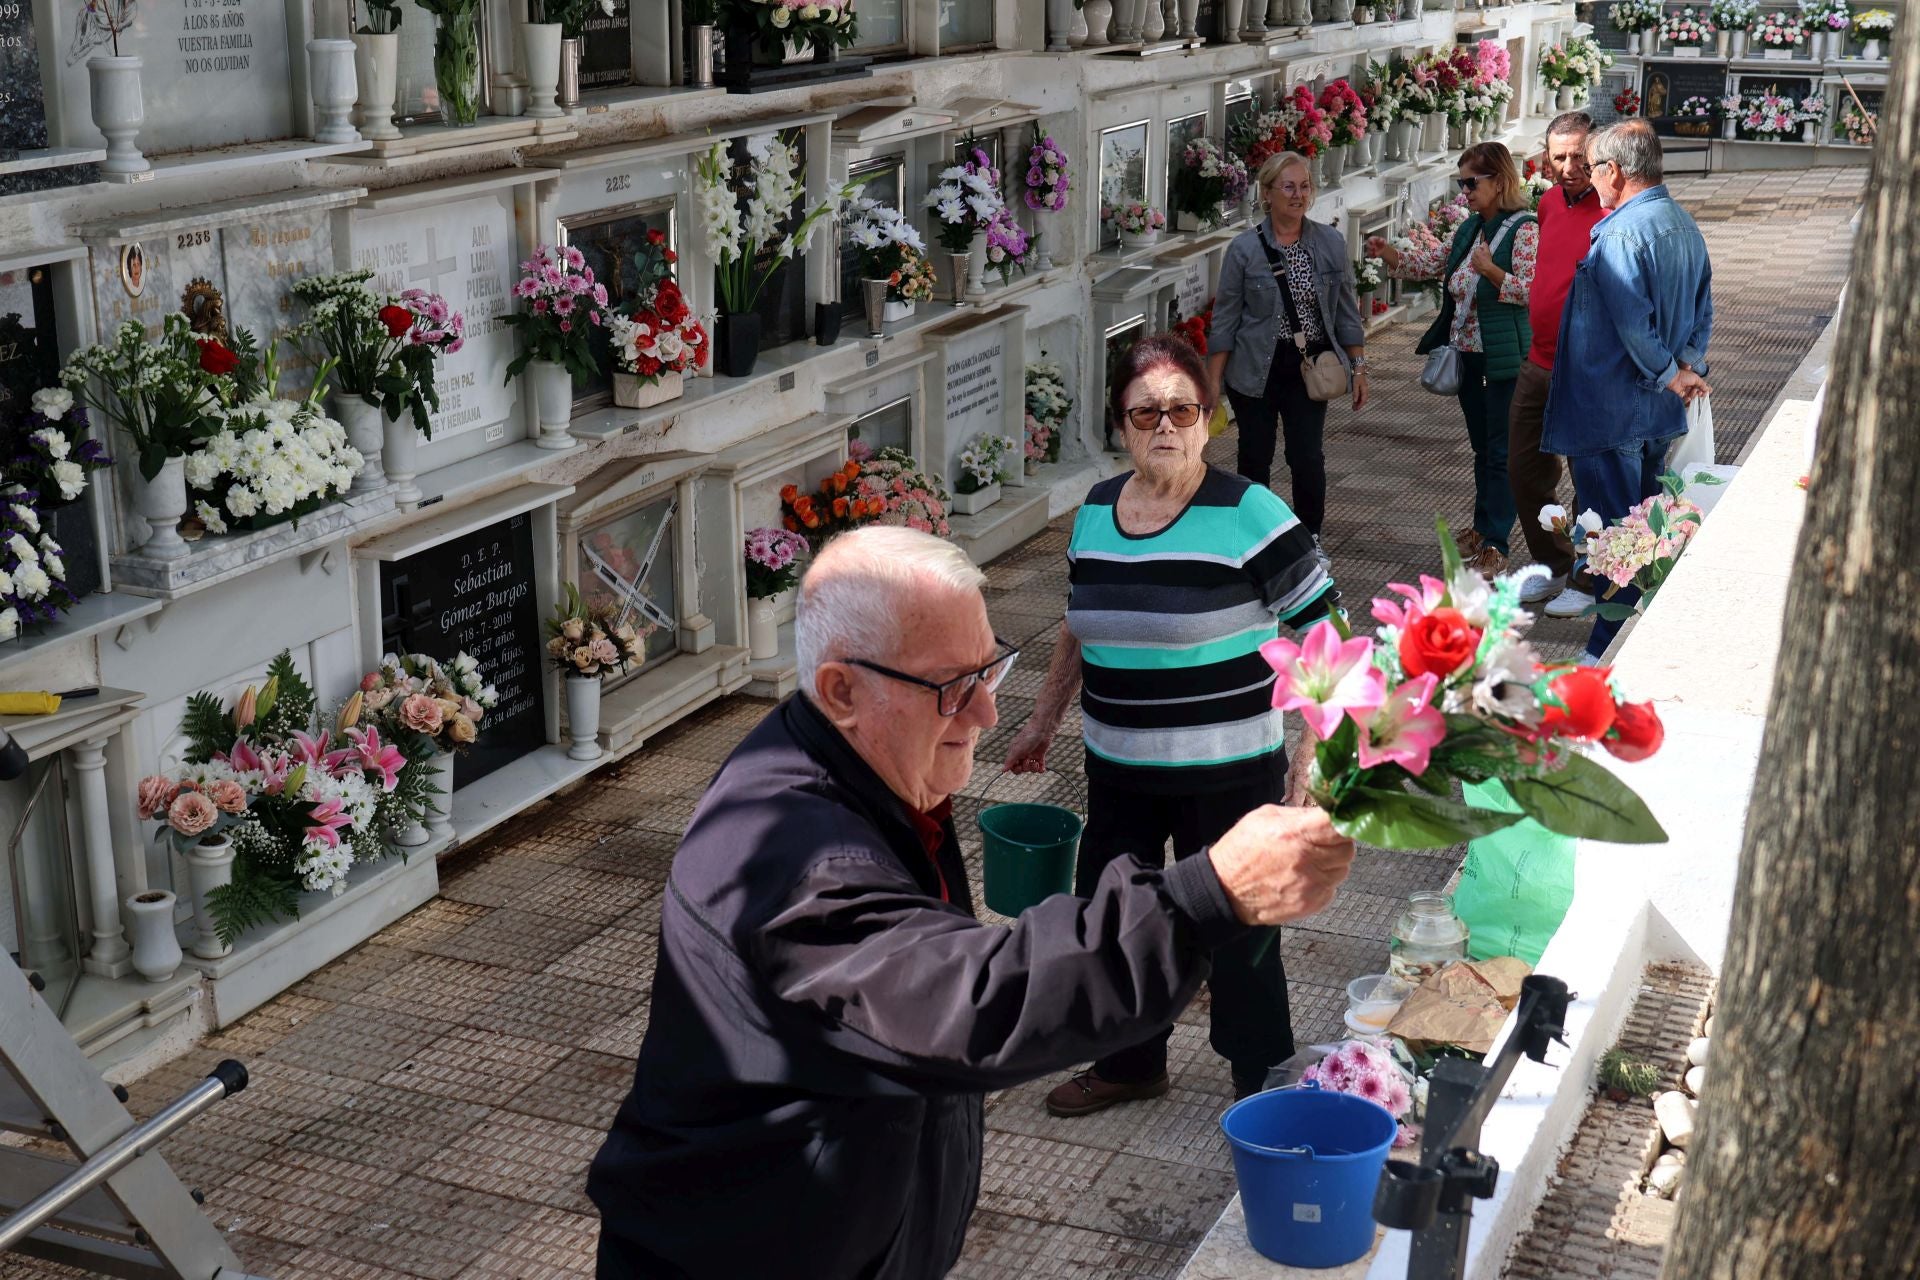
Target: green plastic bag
x,y
1516,885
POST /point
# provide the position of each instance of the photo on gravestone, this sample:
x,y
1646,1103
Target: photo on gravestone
x,y
883,179
782,304
606,48
23,107
627,564
1664,86
610,239
475,594
217,72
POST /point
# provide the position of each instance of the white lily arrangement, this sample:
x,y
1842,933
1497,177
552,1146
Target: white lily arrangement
x,y
773,180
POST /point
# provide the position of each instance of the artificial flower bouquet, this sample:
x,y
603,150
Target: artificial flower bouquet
x,y
1856,125
801,21
1368,276
1293,123
269,460
885,487
426,706
50,453
1735,15
33,573
887,245
1139,220
383,349
588,641
1826,15
1768,116
773,561
1781,30
1450,691
771,181
1207,180
1687,28
301,803
1696,108
1007,244
659,337
981,462
1346,113
1632,16
1578,62
564,302
1874,24
157,392
1640,550
1048,404
1048,176
1627,102
1811,109
966,199
1194,328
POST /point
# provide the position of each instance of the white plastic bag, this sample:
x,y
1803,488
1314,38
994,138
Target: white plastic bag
x,y
1694,449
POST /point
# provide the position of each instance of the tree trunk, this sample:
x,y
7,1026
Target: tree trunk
x,y
1807,1161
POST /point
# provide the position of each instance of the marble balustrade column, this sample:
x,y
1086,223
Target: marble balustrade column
x,y
43,943
109,955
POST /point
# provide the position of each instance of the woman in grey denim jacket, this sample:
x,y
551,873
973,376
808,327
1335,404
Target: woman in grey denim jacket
x,y
1251,355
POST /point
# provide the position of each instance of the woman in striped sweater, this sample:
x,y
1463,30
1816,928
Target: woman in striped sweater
x,y
1178,573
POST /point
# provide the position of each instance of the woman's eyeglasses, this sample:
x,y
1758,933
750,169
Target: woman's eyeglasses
x,y
1147,418
1291,188
955,695
1468,183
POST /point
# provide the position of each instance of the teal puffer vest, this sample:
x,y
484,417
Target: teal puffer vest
x,y
1505,334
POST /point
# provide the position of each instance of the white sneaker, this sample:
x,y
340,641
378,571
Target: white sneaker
x,y
1538,589
1588,660
1570,603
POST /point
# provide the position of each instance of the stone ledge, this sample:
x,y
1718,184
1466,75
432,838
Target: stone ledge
x,y
215,560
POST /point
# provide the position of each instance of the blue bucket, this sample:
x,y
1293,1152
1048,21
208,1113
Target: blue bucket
x,y
1308,1161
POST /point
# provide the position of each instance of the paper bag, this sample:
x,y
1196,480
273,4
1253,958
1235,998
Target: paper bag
x,y
1462,1004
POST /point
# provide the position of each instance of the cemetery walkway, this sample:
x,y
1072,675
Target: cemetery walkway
x,y
426,1106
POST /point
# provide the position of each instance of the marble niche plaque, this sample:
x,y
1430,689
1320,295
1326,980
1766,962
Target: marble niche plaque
x,y
217,73
465,252
975,385
23,108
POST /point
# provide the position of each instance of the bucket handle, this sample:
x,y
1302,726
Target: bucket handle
x,y
995,781
1308,1152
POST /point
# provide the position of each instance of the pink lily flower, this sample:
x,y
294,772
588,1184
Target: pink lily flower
x,y
1402,730
1425,600
327,818
386,760
242,756
1324,677
313,752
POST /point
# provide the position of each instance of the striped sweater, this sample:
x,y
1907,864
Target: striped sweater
x,y
1175,695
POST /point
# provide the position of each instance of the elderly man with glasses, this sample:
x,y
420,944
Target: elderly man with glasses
x,y
828,1013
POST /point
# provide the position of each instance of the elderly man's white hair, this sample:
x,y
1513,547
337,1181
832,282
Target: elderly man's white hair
x,y
849,603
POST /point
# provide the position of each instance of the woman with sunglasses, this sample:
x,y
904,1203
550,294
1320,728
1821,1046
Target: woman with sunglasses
x,y
1288,278
1487,273
1178,572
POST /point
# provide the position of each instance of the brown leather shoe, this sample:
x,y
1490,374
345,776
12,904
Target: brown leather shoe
x,y
1489,561
1087,1093
1469,541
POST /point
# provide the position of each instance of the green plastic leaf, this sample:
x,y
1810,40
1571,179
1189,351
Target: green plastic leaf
x,y
1705,477
1404,820
1449,550
1611,612
1583,800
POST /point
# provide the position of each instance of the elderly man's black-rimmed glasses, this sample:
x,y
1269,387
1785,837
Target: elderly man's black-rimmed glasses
x,y
957,693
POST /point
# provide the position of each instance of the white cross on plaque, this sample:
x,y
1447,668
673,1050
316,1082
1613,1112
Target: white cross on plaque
x,y
433,268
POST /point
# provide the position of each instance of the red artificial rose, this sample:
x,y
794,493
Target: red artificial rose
x,y
397,319
216,359
1587,711
1438,644
669,302
656,236
1637,732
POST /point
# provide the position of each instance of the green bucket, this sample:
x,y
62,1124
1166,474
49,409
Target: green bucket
x,y
1027,854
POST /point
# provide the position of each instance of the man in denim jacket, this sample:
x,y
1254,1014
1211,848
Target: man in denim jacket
x,y
1633,339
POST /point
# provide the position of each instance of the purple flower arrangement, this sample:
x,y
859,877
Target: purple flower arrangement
x,y
1007,244
1048,179
773,561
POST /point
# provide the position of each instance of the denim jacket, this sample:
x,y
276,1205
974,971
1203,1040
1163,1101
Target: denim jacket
x,y
1248,318
1641,306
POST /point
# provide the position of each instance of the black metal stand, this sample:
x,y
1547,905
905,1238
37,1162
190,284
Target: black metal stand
x,y
1434,1199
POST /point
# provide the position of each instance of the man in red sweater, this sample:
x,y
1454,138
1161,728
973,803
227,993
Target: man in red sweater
x,y
1567,216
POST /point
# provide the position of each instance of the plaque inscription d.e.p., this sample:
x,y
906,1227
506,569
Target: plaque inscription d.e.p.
x,y
23,108
475,594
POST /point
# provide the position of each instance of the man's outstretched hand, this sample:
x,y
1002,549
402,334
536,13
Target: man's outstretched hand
x,y
1281,865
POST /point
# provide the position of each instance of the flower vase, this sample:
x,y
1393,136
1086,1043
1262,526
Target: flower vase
x,y
1433,136
1872,52
568,94
967,504
583,717
630,391
1739,44
540,41
552,386
156,950
873,299
977,266
1336,166
162,502
1727,127
376,60
440,782
739,336
1077,35
366,432
333,80
1809,132
1721,41
399,458
113,87
209,867
700,59
1139,239
896,310
1098,15
957,265
1059,25
456,69
763,627
1233,16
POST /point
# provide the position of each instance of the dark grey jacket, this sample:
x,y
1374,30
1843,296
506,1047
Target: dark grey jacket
x,y
824,1026
1248,318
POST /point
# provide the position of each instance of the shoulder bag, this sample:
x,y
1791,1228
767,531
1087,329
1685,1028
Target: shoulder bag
x,y
1444,369
1325,377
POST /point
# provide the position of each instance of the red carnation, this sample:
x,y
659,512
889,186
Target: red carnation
x,y
1586,711
216,359
397,319
1637,732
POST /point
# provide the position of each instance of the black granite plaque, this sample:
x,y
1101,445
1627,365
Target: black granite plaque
x,y
23,107
476,593
1665,85
606,48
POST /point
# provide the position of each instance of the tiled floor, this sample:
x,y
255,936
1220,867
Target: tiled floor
x,y
426,1106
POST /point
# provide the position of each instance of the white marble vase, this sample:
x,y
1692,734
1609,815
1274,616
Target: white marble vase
x,y
583,717
1336,166
209,867
366,432
400,457
335,85
162,502
113,85
376,61
440,817
552,387
977,266
1739,49
541,43
156,951
1433,132
763,627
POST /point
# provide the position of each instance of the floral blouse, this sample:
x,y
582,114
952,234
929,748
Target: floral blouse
x,y
1426,262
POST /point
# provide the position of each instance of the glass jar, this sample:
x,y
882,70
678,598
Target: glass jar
x,y
1426,938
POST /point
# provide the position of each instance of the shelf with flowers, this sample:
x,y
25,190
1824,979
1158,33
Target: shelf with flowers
x,y
1733,21
584,643
563,302
1208,181
1571,69
1293,123
1687,30
1048,405
1870,28
43,472
1138,223
1639,20
893,267
1827,22
782,33
885,487
1347,126
656,338
431,711
774,558
982,460
966,202
382,352
1773,117
1780,35
272,808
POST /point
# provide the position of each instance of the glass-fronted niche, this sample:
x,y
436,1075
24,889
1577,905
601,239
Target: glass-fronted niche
x,y
610,239
627,562
1179,133
882,28
1123,173
888,427
884,179
1120,339
964,24
419,99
